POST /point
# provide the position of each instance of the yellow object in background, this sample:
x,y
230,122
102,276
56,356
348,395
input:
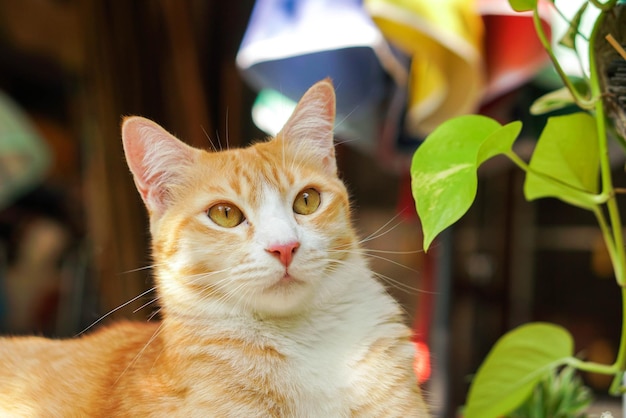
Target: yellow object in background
x,y
444,39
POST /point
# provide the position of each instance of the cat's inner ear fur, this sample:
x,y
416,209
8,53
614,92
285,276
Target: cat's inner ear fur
x,y
156,158
309,130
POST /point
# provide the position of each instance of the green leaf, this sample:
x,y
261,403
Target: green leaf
x,y
554,100
569,37
567,156
518,361
523,5
443,170
499,142
560,98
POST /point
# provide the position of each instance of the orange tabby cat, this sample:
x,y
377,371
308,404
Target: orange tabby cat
x,y
269,309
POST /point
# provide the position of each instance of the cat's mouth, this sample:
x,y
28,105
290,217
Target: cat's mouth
x,y
286,282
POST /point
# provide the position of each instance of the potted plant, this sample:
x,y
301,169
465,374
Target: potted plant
x,y
570,162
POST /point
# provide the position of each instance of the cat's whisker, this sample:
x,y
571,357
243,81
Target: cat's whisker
x,y
379,257
140,353
227,138
219,140
238,294
209,138
146,304
381,231
112,311
374,253
401,285
346,141
223,295
195,278
149,267
341,121
216,288
153,314
395,283
235,293
156,359
372,250
198,278
227,297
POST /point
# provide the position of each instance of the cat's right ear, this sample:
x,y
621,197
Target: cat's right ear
x,y
155,157
309,129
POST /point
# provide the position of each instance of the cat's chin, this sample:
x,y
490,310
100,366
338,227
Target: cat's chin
x,y
286,283
287,295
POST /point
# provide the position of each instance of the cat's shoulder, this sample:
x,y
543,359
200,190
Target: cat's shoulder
x,y
125,328
108,336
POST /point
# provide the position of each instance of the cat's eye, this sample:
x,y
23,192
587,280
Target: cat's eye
x,y
226,215
307,202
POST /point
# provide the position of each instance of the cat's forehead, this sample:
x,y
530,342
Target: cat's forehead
x,y
267,163
247,177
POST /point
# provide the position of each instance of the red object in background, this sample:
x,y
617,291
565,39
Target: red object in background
x,y
421,363
423,318
425,303
513,52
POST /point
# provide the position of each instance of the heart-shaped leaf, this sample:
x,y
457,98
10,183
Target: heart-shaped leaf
x,y
444,168
567,150
518,361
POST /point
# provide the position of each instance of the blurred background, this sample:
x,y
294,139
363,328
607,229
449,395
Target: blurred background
x,y
73,230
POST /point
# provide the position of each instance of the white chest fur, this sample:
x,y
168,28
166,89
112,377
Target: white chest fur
x,y
324,352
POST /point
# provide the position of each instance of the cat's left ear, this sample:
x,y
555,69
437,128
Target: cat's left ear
x,y
310,126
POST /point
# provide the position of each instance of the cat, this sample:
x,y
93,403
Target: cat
x,y
268,306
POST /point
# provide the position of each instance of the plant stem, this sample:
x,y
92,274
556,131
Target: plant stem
x,y
605,7
620,361
606,234
591,367
580,101
589,200
613,238
619,262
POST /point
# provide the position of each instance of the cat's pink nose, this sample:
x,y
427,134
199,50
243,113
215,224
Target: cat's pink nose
x,y
284,252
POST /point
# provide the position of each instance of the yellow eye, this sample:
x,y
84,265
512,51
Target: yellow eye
x,y
226,215
307,202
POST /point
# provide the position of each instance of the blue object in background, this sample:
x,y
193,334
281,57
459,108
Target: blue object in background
x,y
290,45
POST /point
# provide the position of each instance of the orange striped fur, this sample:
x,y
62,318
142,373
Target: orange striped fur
x,y
276,315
